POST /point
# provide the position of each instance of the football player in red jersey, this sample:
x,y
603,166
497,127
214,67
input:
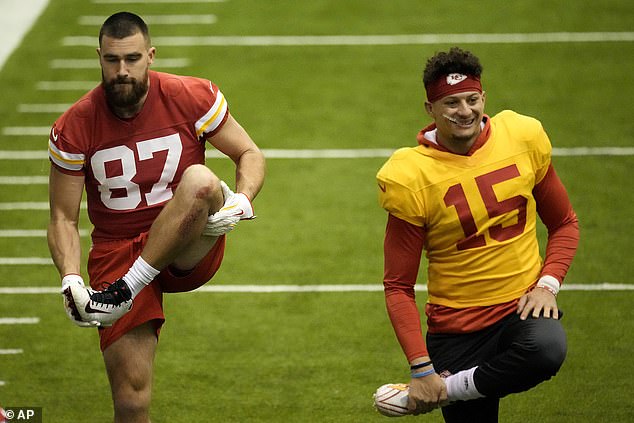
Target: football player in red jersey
x,y
470,194
136,144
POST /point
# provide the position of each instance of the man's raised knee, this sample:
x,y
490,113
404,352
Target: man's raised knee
x,y
202,184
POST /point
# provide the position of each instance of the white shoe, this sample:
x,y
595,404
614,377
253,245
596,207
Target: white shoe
x,y
99,308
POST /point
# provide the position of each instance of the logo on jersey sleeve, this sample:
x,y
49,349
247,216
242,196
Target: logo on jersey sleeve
x,y
63,159
214,116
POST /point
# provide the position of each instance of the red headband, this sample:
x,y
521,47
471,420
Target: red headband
x,y
452,84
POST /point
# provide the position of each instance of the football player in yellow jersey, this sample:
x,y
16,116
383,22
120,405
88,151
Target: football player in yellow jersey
x,y
470,194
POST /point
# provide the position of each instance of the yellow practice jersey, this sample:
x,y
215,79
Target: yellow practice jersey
x,y
477,212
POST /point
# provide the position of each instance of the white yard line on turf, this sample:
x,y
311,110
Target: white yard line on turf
x,y
350,153
373,40
25,205
178,62
18,131
35,205
267,289
593,151
43,108
66,85
24,154
28,261
11,351
153,20
19,320
22,233
154,1
31,233
23,180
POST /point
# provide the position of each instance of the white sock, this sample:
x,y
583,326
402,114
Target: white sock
x,y
140,275
460,387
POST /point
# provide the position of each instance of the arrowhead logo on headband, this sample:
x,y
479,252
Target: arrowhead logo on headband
x,y
455,78
452,83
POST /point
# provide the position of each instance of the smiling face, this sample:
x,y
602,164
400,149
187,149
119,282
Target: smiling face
x,y
458,117
125,64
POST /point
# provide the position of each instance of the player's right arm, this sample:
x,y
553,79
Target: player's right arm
x,y
65,193
403,247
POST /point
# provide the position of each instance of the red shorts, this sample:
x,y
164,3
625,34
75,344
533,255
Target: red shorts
x,y
108,261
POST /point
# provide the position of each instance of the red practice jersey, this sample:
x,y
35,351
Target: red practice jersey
x,y
132,166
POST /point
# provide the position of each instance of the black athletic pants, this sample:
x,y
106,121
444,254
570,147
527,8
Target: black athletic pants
x,y
513,356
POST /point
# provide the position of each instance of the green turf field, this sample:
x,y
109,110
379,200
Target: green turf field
x,y
318,356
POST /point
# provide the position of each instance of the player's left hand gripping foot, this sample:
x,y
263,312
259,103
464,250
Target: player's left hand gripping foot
x,y
100,308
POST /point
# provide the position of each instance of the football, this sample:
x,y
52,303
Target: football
x,y
391,399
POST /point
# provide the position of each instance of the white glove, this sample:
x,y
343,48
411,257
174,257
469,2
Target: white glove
x,y
69,304
237,207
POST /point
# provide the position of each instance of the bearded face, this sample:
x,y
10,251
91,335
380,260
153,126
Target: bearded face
x,y
125,66
125,92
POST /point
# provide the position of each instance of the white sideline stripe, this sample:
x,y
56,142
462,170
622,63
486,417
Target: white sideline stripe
x,y
19,261
35,205
11,351
23,180
360,40
312,288
2,383
16,19
351,153
19,320
156,19
31,233
94,63
66,85
43,108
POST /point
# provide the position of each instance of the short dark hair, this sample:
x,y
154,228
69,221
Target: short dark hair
x,y
455,60
124,24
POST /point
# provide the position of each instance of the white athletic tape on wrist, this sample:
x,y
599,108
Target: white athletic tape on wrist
x,y
550,283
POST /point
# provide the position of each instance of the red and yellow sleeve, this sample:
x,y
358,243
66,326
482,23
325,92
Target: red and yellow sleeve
x,y
65,156
215,113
